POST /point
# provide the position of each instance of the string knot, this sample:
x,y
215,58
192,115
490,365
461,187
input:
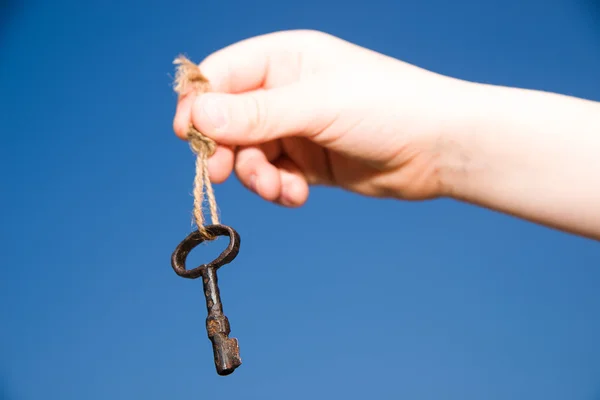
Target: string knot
x,y
200,144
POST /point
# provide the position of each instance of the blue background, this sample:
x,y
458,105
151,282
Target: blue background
x,y
345,298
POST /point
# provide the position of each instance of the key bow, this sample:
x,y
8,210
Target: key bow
x,y
184,248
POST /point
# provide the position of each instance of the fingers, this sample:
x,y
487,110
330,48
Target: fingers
x,y
302,109
255,99
255,120
262,115
263,61
267,60
220,165
294,187
183,112
281,182
255,171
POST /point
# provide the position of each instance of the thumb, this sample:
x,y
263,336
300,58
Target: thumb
x,y
263,115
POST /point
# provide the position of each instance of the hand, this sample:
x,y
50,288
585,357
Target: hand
x,y
299,108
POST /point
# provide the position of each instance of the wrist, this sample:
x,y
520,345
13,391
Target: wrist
x,y
468,112
528,153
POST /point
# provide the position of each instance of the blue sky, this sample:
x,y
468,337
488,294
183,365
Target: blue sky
x,y
434,300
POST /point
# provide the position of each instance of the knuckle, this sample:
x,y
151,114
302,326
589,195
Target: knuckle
x,y
255,105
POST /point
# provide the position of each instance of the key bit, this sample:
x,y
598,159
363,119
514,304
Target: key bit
x,y
225,349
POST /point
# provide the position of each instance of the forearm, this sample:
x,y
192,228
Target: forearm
x,y
531,154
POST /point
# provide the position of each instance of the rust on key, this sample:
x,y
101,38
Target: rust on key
x,y
225,349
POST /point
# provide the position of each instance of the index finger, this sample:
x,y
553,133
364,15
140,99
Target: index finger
x,y
264,61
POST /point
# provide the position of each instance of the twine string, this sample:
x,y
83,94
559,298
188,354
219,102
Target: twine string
x,y
189,80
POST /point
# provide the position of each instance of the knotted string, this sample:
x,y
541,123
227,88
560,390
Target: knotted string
x,y
189,80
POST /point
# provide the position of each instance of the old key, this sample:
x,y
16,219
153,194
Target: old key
x,y
226,350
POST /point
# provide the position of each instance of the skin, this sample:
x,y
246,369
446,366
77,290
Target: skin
x,y
294,109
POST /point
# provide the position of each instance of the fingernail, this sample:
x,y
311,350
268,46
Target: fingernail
x,y
286,198
253,183
214,110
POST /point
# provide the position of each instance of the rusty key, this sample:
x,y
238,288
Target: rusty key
x,y
225,350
